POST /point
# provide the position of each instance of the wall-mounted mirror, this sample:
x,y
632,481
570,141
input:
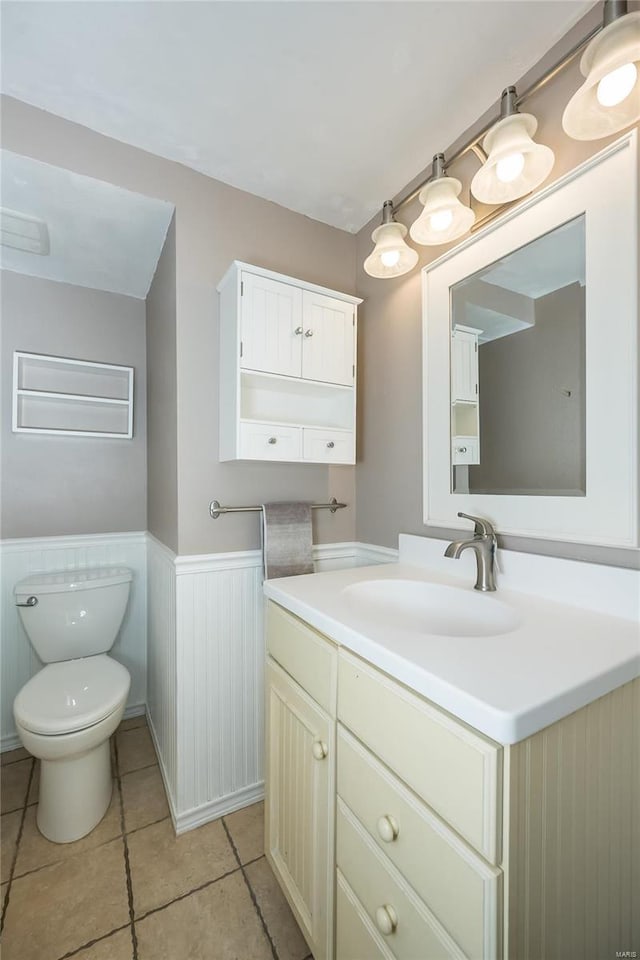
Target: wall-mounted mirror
x,y
518,371
530,363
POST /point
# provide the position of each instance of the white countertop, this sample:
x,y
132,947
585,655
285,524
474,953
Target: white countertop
x,y
560,657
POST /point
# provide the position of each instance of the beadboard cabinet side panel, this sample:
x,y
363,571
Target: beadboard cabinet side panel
x,y
574,834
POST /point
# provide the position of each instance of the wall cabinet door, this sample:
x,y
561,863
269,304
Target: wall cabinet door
x,y
464,365
300,786
329,337
271,334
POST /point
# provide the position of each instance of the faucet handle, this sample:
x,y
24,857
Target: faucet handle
x,y
482,527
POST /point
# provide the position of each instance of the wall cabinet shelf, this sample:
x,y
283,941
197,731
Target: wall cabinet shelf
x,y
465,401
60,395
287,369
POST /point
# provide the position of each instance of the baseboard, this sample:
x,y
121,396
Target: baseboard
x,y
163,773
12,741
215,809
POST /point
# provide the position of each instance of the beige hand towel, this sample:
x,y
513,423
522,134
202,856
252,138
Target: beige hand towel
x,y
286,539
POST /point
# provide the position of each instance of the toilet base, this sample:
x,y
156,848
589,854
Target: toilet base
x,y
74,794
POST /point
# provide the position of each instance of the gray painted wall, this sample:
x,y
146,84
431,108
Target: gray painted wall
x,y
389,474
162,399
532,435
214,224
58,485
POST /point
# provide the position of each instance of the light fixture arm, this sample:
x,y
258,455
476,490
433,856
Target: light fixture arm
x,y
613,10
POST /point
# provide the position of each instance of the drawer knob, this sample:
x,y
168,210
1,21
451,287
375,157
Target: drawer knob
x,y
273,440
331,444
308,333
319,750
462,449
388,828
386,919
298,331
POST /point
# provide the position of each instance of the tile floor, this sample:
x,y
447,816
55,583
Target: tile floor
x,y
132,890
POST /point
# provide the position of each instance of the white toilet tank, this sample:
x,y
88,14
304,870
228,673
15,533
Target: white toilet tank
x,y
74,613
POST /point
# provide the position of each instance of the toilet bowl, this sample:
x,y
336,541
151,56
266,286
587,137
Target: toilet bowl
x,y
66,713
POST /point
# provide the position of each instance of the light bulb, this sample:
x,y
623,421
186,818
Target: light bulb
x,y
390,257
510,167
617,85
441,219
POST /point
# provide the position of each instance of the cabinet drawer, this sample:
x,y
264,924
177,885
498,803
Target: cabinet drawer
x,y
460,889
327,446
377,884
455,770
465,450
356,937
263,441
306,656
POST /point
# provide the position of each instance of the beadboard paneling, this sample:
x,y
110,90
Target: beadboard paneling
x,y
22,557
574,834
162,675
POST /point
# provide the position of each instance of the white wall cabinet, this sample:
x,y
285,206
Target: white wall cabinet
x,y
287,366
465,401
448,844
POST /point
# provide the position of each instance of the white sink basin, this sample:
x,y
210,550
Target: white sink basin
x,y
432,608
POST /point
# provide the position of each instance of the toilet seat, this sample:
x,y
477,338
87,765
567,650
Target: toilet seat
x,y
71,695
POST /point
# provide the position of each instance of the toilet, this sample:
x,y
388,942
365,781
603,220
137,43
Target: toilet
x,y
66,713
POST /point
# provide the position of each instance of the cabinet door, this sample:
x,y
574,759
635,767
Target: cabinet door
x,y
300,785
464,366
271,337
329,339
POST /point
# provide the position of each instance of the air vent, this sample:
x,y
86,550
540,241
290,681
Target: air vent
x,y
21,232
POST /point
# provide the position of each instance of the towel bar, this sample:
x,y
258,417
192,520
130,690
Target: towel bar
x,y
216,510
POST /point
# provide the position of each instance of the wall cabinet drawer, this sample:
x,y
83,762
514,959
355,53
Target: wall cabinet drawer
x,y
306,656
461,890
264,441
407,927
465,450
328,446
455,770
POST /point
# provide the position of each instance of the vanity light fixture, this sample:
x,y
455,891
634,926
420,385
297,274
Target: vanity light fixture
x,y
515,163
444,217
609,98
391,257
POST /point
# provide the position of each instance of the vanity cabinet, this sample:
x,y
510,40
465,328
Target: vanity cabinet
x,y
287,369
300,773
447,843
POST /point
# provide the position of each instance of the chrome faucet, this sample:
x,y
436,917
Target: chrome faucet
x,y
484,544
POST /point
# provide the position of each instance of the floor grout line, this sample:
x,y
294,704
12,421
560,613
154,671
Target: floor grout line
x,y
14,859
90,943
251,891
127,773
127,865
184,896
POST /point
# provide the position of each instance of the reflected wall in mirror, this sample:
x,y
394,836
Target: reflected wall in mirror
x,y
518,371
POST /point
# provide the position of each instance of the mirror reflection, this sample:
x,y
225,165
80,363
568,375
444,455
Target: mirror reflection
x,y
518,371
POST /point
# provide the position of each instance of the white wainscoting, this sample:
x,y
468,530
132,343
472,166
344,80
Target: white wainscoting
x,y
20,558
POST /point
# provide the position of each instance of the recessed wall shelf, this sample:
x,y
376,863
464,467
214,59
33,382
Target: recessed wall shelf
x,y
71,397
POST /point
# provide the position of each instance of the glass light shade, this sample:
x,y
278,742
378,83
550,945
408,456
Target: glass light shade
x,y
586,116
503,176
391,257
444,217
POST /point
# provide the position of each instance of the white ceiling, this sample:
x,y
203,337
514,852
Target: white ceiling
x,y
325,108
549,263
100,236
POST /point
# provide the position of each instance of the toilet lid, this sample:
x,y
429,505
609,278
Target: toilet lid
x,y
71,695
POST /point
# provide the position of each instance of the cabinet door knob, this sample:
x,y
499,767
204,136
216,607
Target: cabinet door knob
x,y
386,919
462,449
331,444
272,440
298,331
319,750
308,333
388,828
